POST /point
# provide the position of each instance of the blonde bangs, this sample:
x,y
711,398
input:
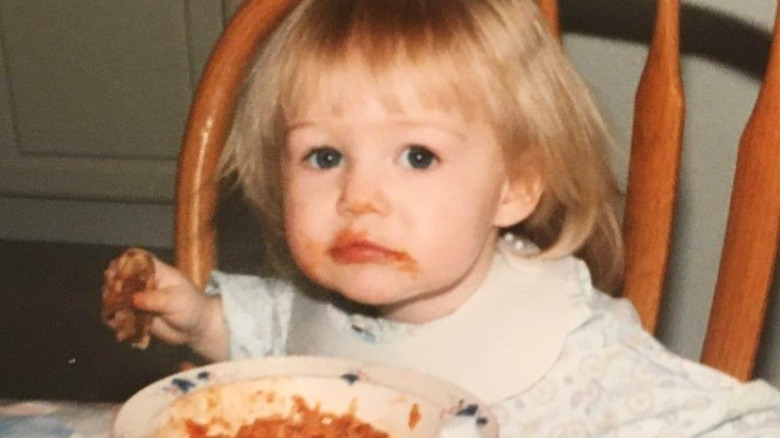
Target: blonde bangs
x,y
400,49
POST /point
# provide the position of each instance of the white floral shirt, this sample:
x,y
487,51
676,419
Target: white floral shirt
x,y
609,378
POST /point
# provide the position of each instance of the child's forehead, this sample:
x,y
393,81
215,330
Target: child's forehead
x,y
356,100
337,89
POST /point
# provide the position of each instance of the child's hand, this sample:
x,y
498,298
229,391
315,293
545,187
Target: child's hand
x,y
183,314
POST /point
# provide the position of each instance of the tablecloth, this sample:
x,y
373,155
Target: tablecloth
x,y
56,419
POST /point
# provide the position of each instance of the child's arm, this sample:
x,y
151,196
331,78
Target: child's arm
x,y
185,315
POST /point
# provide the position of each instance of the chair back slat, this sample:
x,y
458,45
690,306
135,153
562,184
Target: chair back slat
x,y
549,9
750,245
654,167
212,108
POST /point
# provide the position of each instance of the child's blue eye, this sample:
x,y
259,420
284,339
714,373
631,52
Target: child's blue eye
x,y
418,157
324,157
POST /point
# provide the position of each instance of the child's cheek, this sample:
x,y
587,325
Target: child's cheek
x,y
309,254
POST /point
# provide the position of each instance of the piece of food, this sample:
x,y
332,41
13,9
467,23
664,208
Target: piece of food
x,y
130,273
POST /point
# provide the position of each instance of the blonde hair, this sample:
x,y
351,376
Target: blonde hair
x,y
493,59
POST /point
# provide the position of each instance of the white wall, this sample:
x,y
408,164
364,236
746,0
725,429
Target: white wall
x,y
93,101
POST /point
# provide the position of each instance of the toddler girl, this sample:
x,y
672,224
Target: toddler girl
x,y
432,184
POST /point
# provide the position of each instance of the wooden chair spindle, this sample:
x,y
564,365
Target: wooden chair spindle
x,y
750,245
654,167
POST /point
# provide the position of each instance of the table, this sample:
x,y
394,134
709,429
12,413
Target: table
x,y
56,419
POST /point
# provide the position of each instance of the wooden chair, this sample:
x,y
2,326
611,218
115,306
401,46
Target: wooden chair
x,y
751,241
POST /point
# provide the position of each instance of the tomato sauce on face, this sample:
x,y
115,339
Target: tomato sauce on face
x,y
352,247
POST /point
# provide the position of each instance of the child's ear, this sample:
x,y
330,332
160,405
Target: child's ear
x,y
519,198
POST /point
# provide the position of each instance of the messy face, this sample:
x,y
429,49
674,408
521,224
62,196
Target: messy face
x,y
393,208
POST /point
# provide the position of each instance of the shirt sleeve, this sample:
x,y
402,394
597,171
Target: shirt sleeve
x,y
256,311
613,379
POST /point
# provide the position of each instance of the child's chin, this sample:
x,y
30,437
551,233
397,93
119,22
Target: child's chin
x,y
369,297
371,285
373,296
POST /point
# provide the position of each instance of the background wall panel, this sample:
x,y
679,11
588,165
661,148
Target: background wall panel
x,y
97,94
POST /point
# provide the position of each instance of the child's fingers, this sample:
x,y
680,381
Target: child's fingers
x,y
155,301
167,333
167,275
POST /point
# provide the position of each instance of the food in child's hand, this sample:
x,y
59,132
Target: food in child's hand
x,y
130,273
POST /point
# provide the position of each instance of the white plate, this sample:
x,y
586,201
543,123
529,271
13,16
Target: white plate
x,y
380,395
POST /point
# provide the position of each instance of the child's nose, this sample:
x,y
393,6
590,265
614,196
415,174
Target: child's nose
x,y
362,194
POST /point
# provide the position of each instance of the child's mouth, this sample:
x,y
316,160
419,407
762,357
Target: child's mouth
x,y
364,251
353,248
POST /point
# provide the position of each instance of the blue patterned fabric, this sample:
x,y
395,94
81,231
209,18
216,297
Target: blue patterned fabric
x,y
51,419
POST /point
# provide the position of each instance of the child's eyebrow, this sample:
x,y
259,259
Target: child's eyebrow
x,y
298,124
456,131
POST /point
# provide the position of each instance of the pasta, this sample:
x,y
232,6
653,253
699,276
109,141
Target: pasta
x,y
292,407
302,422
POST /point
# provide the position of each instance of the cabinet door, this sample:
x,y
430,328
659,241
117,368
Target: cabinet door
x,y
94,94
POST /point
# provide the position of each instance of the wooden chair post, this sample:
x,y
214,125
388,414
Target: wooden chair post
x,y
207,128
654,167
750,246
549,9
